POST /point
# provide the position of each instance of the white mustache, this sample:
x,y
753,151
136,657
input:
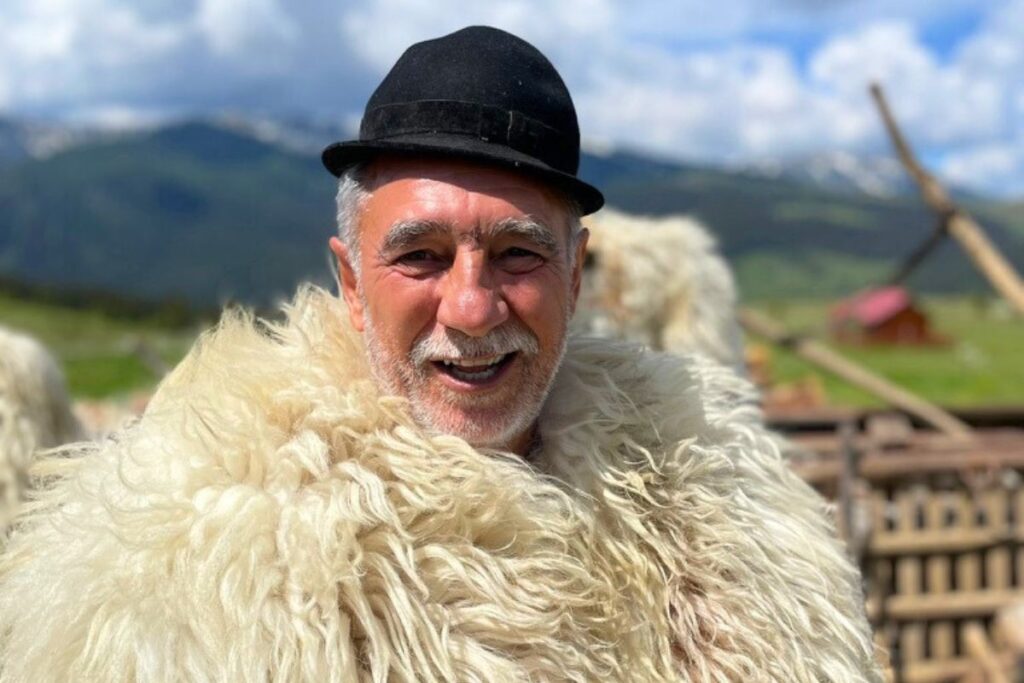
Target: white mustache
x,y
452,344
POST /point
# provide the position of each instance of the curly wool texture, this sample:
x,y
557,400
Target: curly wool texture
x,y
271,517
663,283
35,413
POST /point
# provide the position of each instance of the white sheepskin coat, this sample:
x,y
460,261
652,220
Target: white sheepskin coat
x,y
661,282
35,413
272,518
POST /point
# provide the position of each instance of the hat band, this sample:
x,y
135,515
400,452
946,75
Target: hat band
x,y
486,123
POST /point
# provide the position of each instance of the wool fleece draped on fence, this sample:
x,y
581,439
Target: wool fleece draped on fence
x,y
271,517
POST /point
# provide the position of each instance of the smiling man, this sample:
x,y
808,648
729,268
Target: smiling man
x,y
461,246
423,479
464,286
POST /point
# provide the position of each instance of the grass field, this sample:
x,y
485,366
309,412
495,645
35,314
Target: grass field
x,y
98,351
984,365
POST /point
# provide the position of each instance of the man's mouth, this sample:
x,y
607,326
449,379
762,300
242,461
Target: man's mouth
x,y
475,371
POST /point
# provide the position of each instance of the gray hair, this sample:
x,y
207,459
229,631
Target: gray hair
x,y
352,195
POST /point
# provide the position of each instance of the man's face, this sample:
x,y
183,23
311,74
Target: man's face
x,y
464,294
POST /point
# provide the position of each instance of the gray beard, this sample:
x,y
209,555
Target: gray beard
x,y
523,416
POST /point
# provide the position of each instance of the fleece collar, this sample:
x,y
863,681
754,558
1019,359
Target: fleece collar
x,y
272,516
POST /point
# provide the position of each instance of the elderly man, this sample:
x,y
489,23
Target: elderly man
x,y
418,486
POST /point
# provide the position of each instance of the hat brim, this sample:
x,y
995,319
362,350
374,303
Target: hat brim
x,y
341,155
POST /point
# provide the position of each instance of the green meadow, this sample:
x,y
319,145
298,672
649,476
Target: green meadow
x,y
982,366
98,350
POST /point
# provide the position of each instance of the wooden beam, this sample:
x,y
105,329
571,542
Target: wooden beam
x,y
955,605
978,646
820,355
960,225
918,256
988,455
936,541
944,670
939,671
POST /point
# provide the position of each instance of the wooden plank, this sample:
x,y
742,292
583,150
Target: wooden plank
x,y
915,461
912,640
824,357
941,541
941,640
908,568
878,570
996,439
826,418
948,670
988,258
908,578
939,670
996,503
938,568
954,605
881,584
968,565
979,648
847,531
883,646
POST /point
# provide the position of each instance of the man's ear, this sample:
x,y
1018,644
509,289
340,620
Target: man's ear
x,y
349,283
577,271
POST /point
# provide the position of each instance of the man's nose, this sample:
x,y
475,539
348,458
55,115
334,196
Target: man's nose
x,y
470,300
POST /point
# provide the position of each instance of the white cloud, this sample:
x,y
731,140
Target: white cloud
x,y
380,30
886,51
996,167
61,49
717,83
247,29
941,104
733,103
703,105
648,76
71,57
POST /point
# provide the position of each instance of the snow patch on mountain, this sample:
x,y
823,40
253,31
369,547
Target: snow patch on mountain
x,y
876,176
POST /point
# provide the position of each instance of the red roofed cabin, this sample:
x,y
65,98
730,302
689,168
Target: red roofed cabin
x,y
882,316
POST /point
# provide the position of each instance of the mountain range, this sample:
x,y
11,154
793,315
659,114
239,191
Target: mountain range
x,y
235,208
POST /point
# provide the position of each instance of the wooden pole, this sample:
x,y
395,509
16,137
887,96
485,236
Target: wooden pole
x,y
918,256
979,647
855,535
817,353
958,222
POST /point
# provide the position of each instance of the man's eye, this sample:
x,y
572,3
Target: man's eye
x,y
519,252
519,260
418,256
419,262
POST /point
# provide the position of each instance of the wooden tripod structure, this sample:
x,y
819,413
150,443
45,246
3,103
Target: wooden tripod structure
x,y
953,220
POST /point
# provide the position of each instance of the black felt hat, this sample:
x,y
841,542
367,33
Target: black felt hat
x,y
480,94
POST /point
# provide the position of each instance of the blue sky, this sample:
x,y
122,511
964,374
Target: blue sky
x,y
730,82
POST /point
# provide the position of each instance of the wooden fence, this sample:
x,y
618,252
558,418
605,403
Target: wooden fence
x,y
939,562
938,529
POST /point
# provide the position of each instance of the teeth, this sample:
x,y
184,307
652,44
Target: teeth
x,y
474,362
475,376
473,369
